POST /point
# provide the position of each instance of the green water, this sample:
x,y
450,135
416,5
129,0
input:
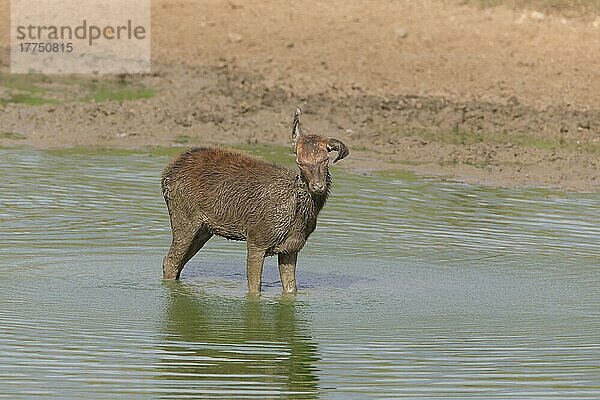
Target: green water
x,y
408,288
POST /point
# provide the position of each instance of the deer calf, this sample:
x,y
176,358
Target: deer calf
x,y
274,209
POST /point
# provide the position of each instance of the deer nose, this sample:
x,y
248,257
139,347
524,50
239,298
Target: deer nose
x,y
318,187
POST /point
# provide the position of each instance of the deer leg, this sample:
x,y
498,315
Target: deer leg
x,y
287,271
184,246
173,261
254,267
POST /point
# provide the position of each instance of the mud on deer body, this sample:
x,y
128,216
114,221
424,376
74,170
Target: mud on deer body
x,y
212,191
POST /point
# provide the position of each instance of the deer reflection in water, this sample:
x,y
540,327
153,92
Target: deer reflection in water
x,y
235,347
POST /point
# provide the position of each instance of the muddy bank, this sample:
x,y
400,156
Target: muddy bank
x,y
500,144
497,95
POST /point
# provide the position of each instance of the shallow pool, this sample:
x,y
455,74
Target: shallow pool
x,y
408,288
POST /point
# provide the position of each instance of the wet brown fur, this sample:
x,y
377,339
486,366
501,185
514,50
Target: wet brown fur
x,y
210,191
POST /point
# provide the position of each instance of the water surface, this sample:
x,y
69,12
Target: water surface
x,y
408,288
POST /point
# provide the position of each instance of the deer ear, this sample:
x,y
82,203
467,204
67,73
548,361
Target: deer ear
x,y
296,130
336,145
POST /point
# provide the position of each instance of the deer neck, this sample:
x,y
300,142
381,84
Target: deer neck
x,y
308,203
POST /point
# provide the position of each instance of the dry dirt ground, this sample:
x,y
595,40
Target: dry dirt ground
x,y
504,95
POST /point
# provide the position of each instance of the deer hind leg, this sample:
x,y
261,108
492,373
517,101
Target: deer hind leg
x,y
186,243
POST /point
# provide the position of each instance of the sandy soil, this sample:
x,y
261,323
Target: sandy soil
x,y
499,96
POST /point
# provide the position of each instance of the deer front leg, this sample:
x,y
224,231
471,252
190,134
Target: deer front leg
x,y
254,267
287,271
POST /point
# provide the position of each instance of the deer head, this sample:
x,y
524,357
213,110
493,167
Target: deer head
x,y
312,155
